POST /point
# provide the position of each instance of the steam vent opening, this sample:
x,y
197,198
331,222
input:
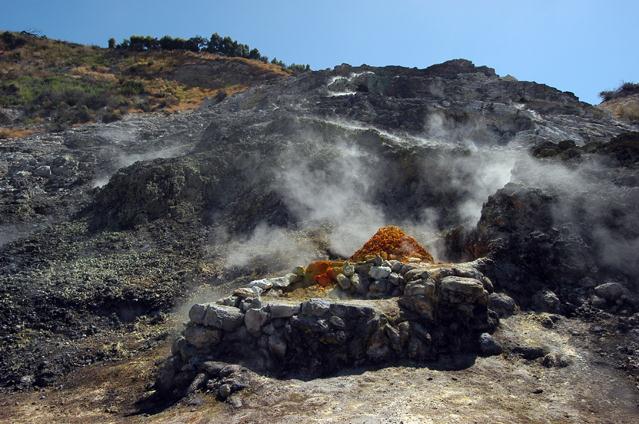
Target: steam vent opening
x,y
390,301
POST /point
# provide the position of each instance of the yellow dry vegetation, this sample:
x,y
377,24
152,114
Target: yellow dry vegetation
x,y
6,133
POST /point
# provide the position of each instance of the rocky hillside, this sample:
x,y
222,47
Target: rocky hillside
x,y
113,230
55,84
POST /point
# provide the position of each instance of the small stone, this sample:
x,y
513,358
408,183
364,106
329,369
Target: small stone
x,y
396,266
348,269
546,301
292,278
343,281
224,391
501,303
197,313
315,307
300,271
254,319
228,301
277,346
378,286
529,352
226,318
355,282
416,274
201,337
538,391
379,272
598,302
268,329
555,360
395,279
488,346
337,322
264,284
212,368
420,288
176,346
455,289
280,282
611,291
247,292
283,310
235,402
43,171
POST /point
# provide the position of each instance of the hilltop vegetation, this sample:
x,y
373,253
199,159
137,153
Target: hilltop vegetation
x,y
223,46
50,84
623,102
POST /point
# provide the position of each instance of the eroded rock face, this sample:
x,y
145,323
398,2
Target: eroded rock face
x,y
413,124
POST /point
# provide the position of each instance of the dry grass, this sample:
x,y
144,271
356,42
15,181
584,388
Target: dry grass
x,y
63,84
626,108
6,133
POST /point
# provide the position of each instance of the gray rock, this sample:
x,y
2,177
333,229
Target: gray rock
x,y
378,286
556,360
422,305
176,346
343,281
455,289
420,288
611,291
315,307
379,272
598,302
501,303
292,278
488,346
283,310
254,319
415,273
43,171
226,318
396,266
337,322
281,282
228,301
355,282
247,292
201,337
277,346
348,269
529,352
212,368
224,391
395,279
546,301
197,313
263,284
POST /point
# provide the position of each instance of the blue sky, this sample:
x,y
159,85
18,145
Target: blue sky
x,y
583,46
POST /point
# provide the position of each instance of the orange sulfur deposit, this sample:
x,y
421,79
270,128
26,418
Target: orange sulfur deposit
x,y
392,243
388,242
323,272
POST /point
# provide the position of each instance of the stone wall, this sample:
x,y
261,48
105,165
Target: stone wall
x,y
439,310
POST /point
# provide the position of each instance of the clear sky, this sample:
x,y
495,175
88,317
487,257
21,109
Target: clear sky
x,y
583,46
